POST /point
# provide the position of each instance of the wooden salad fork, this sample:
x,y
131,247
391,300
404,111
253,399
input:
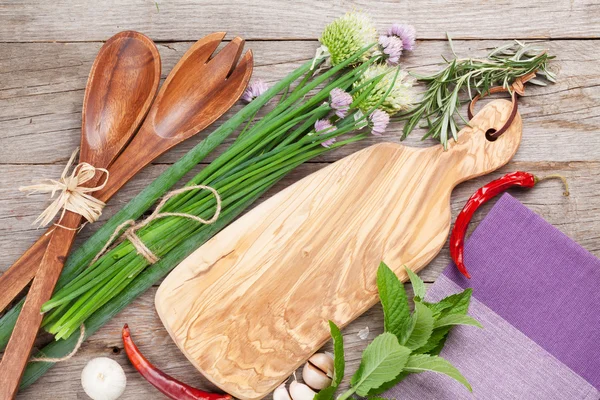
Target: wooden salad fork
x,y
198,90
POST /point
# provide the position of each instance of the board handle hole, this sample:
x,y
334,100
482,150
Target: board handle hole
x,y
489,135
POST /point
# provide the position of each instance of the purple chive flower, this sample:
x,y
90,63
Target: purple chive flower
x,y
323,127
392,48
379,120
340,101
254,89
406,33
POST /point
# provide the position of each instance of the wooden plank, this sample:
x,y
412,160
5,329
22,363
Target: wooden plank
x,y
271,19
41,91
577,215
42,87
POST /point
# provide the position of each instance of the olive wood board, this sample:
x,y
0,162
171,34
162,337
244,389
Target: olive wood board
x,y
253,303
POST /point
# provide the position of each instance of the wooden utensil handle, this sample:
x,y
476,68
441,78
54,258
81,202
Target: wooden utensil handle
x,y
21,341
22,271
18,275
133,159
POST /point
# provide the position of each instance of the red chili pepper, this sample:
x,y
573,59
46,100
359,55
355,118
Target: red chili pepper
x,y
481,196
171,387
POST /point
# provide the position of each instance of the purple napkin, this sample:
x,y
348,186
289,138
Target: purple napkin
x,y
537,294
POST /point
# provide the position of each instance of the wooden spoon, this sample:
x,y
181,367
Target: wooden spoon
x,y
211,99
195,94
120,89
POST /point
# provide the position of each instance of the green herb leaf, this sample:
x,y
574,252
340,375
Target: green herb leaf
x,y
423,326
326,394
393,298
456,319
440,103
455,304
383,360
436,342
338,355
417,283
388,385
421,362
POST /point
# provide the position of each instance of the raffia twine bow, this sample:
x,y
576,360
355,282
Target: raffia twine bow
x,y
73,195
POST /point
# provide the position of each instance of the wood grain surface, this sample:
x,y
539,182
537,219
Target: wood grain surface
x,y
47,50
252,304
302,19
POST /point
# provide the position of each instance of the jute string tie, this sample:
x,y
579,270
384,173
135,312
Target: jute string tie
x,y
74,196
130,227
66,357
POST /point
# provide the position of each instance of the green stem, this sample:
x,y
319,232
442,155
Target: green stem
x,y
347,394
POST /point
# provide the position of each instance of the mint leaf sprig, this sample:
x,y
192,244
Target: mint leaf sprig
x,y
410,344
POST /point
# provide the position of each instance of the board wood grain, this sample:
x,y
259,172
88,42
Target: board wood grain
x,y
252,304
42,84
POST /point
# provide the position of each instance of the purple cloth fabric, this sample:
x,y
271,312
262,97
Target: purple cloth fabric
x,y
538,280
537,294
499,361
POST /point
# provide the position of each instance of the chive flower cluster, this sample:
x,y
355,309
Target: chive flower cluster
x,y
399,37
254,89
382,89
347,35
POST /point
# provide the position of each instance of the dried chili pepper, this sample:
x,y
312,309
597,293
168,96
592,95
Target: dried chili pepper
x,y
171,387
480,197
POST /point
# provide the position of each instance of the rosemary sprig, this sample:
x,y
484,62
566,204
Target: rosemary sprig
x,y
440,105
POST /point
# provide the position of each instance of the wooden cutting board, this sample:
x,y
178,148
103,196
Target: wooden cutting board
x,y
252,304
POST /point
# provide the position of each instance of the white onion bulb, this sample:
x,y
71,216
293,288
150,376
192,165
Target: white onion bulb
x,y
103,379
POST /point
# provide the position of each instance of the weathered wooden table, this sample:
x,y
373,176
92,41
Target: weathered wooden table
x,y
47,49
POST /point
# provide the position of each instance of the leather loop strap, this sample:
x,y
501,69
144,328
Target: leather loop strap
x,y
517,88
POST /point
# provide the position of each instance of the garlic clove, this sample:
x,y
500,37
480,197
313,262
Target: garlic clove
x,y
281,393
299,391
314,377
324,362
103,379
